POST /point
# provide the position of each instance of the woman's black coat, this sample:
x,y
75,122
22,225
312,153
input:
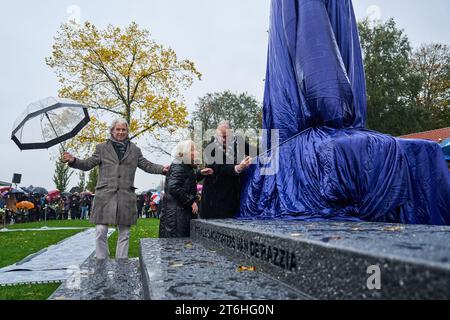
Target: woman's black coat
x,y
179,194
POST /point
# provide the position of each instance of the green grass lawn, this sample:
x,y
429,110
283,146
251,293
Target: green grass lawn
x,y
28,291
14,246
51,223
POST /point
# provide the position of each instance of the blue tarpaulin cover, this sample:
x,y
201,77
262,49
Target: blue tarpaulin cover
x,y
334,168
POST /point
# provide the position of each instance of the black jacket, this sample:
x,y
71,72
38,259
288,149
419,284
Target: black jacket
x,y
221,191
179,194
75,202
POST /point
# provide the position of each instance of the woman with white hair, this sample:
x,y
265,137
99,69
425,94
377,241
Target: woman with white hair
x,y
180,192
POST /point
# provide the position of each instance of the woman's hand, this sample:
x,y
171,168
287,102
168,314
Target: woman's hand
x,y
207,172
194,208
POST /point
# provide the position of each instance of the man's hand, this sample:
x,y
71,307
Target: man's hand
x,y
207,172
243,165
166,169
67,157
194,208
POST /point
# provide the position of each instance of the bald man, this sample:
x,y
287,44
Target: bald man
x,y
227,155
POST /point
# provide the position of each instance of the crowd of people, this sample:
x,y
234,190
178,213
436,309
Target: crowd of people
x,y
148,204
62,207
67,206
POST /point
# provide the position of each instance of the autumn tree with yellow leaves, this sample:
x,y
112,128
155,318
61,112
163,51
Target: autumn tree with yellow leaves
x,y
120,73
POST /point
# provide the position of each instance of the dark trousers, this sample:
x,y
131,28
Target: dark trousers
x,y
75,213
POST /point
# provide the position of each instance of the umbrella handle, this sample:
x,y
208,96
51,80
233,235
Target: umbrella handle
x,y
54,130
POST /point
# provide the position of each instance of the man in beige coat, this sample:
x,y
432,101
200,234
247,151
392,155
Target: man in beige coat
x,y
115,198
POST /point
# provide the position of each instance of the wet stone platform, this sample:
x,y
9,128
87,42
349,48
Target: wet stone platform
x,y
279,260
339,260
104,279
179,269
55,263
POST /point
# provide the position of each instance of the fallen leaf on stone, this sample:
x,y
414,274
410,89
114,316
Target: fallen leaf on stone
x,y
244,268
395,228
188,245
175,264
327,239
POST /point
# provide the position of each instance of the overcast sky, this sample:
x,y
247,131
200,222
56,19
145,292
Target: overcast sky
x,y
226,39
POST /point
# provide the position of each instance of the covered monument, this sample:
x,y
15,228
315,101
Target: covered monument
x,y
332,167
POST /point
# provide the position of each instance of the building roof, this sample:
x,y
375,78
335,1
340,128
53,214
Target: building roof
x,y
437,135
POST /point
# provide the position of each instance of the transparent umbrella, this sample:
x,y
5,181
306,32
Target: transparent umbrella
x,y
48,122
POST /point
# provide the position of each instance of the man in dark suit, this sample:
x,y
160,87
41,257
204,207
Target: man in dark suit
x,y
227,155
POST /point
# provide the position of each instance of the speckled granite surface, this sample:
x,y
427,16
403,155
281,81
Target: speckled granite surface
x,y
178,269
330,260
105,279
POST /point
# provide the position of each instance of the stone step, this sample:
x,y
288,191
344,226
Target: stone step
x,y
179,269
339,260
106,279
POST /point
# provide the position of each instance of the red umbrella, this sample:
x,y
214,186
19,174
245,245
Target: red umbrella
x,y
53,193
3,189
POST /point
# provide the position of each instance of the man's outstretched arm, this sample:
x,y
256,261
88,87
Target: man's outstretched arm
x,y
80,164
150,167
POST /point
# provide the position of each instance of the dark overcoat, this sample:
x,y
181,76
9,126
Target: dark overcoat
x,y
221,191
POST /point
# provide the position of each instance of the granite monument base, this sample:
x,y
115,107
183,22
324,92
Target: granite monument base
x,y
105,279
179,269
338,260
277,260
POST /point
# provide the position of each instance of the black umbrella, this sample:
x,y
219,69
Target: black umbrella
x,y
16,191
75,189
40,190
27,189
48,122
